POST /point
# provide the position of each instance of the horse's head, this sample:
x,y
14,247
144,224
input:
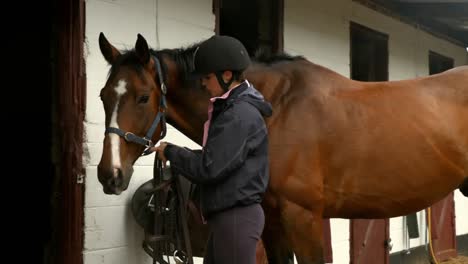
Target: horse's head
x,y
134,103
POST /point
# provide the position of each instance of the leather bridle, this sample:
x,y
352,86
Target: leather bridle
x,y
160,118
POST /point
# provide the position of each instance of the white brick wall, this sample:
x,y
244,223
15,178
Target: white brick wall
x,y
317,29
111,234
461,213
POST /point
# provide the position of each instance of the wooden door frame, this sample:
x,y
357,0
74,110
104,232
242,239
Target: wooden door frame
x,y
435,55
70,109
384,244
369,32
444,254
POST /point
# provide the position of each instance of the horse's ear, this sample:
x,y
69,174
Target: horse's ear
x,y
142,50
109,52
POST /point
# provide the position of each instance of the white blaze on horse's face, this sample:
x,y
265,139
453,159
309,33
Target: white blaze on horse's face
x,y
120,90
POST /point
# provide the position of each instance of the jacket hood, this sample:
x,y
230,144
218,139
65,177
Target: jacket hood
x,y
255,98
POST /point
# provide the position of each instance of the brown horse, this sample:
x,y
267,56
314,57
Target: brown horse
x,y
338,148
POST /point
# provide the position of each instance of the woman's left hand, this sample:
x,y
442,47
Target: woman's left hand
x,y
160,152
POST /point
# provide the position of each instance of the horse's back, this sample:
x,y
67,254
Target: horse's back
x,y
363,140
461,68
410,133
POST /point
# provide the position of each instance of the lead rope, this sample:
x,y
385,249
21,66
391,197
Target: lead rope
x,y
429,226
159,239
182,213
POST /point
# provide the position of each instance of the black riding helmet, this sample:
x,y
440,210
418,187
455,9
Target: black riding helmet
x,y
218,54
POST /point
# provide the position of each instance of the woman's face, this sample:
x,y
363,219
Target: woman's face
x,y
211,84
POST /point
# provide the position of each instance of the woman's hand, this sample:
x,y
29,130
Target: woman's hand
x,y
160,152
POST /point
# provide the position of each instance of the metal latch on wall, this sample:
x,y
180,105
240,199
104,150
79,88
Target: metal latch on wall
x,y
80,179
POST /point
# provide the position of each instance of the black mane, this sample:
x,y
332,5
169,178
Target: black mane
x,y
183,58
268,58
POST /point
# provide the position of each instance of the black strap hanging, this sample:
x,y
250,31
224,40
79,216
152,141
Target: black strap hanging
x,y
169,235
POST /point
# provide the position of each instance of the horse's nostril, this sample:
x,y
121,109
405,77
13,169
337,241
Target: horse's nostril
x,y
117,178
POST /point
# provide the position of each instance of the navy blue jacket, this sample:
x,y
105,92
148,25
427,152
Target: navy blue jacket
x,y
232,170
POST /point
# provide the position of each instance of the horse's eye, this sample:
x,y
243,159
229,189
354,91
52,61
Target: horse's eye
x,y
143,99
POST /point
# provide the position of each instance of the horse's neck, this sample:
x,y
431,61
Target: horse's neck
x,y
187,111
187,102
188,106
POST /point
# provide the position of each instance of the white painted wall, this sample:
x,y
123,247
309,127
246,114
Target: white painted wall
x,y
111,234
320,31
461,213
317,29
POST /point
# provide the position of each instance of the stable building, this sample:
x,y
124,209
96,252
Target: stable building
x,y
361,39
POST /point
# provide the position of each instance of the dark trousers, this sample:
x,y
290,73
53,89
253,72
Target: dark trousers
x,y
234,234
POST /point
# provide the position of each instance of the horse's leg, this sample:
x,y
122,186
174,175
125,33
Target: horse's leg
x,y
276,247
304,231
274,239
296,191
260,254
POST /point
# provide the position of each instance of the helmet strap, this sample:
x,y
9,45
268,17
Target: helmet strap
x,y
224,85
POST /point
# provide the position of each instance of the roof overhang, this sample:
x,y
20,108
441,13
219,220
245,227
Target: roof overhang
x,y
445,18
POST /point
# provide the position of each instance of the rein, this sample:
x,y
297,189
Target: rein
x,y
160,118
170,234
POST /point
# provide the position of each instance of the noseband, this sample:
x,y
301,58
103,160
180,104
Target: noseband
x,y
160,118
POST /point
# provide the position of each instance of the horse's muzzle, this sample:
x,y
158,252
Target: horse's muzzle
x,y
112,181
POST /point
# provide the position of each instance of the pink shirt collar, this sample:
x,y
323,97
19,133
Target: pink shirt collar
x,y
206,127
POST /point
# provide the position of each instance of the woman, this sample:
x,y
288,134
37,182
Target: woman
x,y
232,168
